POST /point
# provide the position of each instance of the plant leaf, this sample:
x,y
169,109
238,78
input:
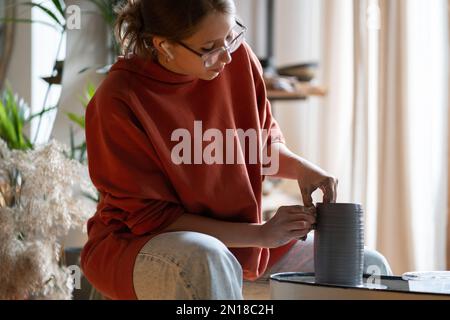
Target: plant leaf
x,y
72,143
12,120
60,5
45,10
91,90
28,143
83,148
40,113
88,95
7,130
80,120
15,119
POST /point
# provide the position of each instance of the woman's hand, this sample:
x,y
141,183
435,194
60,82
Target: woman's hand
x,y
310,178
289,222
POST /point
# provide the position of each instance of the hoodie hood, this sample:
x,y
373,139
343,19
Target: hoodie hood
x,y
150,69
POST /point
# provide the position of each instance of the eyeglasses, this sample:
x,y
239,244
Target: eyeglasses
x,y
210,59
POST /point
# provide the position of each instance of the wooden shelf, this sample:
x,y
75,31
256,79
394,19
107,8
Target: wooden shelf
x,y
300,91
285,95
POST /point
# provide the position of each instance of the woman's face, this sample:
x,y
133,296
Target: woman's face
x,y
214,31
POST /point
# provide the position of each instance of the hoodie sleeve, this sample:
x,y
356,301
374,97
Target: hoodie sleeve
x,y
124,167
268,122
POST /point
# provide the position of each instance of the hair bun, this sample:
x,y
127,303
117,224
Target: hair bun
x,y
130,26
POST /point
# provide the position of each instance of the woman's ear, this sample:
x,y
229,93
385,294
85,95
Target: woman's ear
x,y
163,47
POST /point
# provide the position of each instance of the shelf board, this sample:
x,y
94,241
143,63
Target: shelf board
x,y
303,91
285,95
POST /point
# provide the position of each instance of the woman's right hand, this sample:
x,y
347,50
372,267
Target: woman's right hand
x,y
289,222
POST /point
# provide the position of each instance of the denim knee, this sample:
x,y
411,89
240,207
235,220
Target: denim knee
x,y
188,265
215,271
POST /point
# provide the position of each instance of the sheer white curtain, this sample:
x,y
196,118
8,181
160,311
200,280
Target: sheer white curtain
x,y
413,139
383,127
448,179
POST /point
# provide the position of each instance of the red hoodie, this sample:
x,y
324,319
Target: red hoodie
x,y
129,124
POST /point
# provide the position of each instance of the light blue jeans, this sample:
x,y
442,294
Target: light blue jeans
x,y
196,266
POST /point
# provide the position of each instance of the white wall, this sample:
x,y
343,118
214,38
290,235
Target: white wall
x,y
254,16
85,48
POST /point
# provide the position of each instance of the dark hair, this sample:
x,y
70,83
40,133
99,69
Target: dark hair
x,y
139,20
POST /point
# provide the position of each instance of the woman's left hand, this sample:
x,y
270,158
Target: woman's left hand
x,y
310,178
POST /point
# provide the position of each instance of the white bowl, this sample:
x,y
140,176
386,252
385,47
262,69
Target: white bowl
x,y
430,281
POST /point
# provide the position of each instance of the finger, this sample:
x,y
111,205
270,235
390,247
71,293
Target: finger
x,y
329,190
326,194
307,196
335,186
309,211
303,209
295,207
299,233
300,225
302,217
332,190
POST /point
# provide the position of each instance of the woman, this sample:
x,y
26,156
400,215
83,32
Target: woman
x,y
178,218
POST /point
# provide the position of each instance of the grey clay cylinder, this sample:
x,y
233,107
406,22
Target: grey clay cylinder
x,y
339,244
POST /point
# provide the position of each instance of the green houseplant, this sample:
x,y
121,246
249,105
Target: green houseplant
x,y
14,116
12,121
55,11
